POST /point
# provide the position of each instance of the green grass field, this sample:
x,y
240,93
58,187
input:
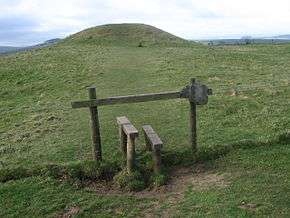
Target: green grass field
x,y
242,168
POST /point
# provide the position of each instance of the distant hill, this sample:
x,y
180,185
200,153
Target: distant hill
x,y
282,37
4,49
126,34
245,41
10,49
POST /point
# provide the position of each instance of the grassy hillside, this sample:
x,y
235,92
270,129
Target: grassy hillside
x,y
242,168
126,34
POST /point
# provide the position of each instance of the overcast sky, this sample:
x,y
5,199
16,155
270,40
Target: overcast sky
x,y
25,22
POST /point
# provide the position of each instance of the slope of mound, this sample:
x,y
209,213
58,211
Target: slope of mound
x,y
126,34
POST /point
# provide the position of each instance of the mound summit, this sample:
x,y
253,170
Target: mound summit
x,y
125,34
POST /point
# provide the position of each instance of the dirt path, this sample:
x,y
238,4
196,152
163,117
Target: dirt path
x,y
168,196
181,180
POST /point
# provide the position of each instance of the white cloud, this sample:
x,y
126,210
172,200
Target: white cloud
x,y
186,18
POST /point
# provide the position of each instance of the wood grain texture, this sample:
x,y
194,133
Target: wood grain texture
x,y
151,137
192,118
130,130
123,120
154,144
130,154
126,99
95,126
122,135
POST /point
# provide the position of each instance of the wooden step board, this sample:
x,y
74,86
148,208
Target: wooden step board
x,y
123,120
152,138
128,133
154,144
130,130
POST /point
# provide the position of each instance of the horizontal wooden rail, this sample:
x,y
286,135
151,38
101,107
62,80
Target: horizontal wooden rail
x,y
127,99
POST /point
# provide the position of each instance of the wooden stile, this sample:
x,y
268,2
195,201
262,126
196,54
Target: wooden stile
x,y
196,93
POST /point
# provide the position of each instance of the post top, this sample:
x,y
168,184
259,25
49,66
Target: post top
x,y
91,87
192,80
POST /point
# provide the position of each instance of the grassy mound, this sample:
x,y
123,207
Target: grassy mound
x,y
139,35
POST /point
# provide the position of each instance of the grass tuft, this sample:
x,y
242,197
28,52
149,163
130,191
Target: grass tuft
x,y
8,174
158,180
130,181
83,171
284,138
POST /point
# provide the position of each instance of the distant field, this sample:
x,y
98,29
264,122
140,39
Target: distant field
x,y
242,132
5,49
245,41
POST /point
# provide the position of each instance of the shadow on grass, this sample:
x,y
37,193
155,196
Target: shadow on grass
x,y
204,154
96,171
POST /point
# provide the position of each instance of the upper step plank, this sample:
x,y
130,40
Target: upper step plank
x,y
154,139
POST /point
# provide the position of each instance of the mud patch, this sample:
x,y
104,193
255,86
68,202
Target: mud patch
x,y
181,178
248,206
198,179
70,212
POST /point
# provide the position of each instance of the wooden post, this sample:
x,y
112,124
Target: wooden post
x,y
132,134
123,141
95,125
154,143
122,135
130,153
157,159
192,116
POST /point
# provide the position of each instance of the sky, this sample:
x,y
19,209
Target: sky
x,y
26,22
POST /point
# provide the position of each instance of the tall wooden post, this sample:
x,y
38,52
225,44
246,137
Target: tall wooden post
x,y
95,125
192,102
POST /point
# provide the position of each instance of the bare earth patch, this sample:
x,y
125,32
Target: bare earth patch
x,y
170,194
248,206
181,179
70,212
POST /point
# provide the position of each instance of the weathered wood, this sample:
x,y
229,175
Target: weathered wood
x,y
123,120
147,129
122,135
95,126
130,130
156,155
192,117
130,153
127,99
147,144
151,138
154,144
